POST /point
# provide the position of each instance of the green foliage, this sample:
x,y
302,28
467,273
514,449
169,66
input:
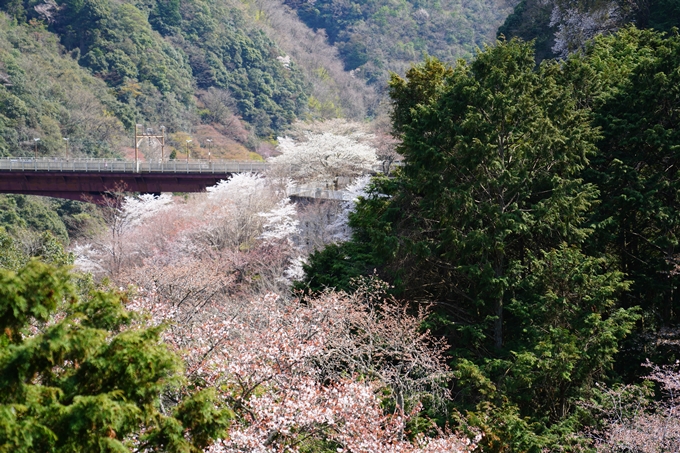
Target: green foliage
x,y
88,380
118,44
21,212
45,94
336,267
663,15
82,220
211,45
491,219
268,95
14,254
31,218
11,256
566,330
493,155
631,81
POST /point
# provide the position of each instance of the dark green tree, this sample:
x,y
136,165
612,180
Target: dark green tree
x,y
636,103
22,212
89,380
629,82
487,220
165,17
493,162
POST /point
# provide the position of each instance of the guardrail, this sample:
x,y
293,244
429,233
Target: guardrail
x,y
46,164
325,194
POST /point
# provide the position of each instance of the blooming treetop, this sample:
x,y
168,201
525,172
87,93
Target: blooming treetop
x,y
144,206
109,253
263,355
281,223
324,158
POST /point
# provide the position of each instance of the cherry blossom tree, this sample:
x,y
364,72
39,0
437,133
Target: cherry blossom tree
x,y
277,363
355,130
111,251
377,135
244,228
281,223
339,229
232,208
324,158
635,421
349,371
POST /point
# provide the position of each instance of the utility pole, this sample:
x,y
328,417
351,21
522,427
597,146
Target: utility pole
x,y
162,142
137,126
149,135
209,141
188,141
149,131
68,148
35,152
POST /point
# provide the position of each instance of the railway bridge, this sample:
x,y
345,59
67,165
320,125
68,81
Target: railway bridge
x,y
92,179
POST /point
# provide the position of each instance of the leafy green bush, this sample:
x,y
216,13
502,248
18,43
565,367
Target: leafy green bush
x,y
86,380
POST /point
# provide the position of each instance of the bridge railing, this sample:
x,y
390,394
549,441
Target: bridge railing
x,y
42,164
326,194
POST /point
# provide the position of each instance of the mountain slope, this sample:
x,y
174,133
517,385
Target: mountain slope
x,y
560,27
238,71
378,36
45,94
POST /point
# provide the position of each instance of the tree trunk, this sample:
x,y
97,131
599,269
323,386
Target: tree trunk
x,y
498,303
498,323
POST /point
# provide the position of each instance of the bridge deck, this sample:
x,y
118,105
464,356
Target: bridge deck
x,y
28,164
91,179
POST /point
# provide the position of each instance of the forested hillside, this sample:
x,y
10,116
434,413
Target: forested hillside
x,y
239,72
376,37
89,71
48,95
165,80
559,27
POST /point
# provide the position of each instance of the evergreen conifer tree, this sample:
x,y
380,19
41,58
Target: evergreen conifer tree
x,y
488,220
88,380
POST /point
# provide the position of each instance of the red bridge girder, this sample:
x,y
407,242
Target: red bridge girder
x,y
93,187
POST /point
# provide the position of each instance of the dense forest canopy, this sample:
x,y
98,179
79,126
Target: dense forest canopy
x,y
155,78
537,209
89,71
48,95
240,72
